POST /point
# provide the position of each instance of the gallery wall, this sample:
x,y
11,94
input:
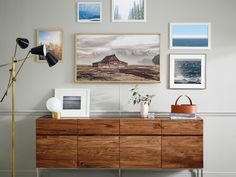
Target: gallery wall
x,y
36,82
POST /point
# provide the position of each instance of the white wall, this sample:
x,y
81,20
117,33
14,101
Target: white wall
x,y
36,82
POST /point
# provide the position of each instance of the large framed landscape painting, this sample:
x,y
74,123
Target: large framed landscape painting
x,y
117,58
190,36
187,71
129,10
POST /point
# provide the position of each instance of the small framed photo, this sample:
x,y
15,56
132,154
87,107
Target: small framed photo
x,y
188,71
75,102
128,10
190,36
89,12
53,39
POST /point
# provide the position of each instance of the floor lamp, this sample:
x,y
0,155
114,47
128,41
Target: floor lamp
x,y
39,50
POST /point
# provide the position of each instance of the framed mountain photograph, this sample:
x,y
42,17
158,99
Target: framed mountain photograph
x,y
117,58
188,71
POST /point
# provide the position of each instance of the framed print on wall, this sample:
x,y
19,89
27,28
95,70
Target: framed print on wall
x,y
75,102
117,58
53,38
190,36
188,71
89,12
128,10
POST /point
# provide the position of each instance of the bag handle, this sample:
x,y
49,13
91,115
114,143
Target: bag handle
x,y
185,96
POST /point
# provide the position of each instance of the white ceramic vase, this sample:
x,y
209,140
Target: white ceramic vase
x,y
144,109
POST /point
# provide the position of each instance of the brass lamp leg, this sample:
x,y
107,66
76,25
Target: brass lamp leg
x,y
13,117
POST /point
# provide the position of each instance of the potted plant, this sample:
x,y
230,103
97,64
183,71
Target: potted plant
x,y
144,100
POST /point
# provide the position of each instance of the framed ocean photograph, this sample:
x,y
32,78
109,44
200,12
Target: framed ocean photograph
x,y
190,36
53,39
128,10
89,12
188,71
117,58
75,102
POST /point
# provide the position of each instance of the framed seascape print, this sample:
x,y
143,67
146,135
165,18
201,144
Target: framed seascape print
x,y
190,36
75,102
89,12
188,71
117,58
54,43
128,10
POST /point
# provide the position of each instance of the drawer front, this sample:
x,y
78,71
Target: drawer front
x,y
140,152
140,127
182,127
98,151
182,151
98,127
56,151
56,127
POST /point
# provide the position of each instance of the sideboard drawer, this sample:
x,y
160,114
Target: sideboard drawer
x,y
140,127
98,127
182,127
47,126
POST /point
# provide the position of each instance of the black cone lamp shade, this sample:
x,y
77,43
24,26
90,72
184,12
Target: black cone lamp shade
x,y
22,42
51,59
39,50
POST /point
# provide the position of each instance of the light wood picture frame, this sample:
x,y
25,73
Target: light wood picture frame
x,y
187,71
75,102
54,40
122,58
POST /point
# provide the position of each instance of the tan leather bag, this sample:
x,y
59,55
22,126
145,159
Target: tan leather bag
x,y
184,108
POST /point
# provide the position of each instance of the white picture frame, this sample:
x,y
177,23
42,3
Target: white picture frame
x,y
89,12
187,71
75,102
125,6
190,36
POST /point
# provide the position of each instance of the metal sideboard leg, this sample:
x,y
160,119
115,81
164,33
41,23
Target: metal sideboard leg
x,y
201,172
119,172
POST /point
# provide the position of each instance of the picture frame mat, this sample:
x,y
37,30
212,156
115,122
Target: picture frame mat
x,y
173,57
85,101
193,48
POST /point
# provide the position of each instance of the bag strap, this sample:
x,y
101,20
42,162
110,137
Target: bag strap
x,y
185,96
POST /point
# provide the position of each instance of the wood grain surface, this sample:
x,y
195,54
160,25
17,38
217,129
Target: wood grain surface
x,y
98,151
56,151
182,152
47,126
98,127
140,152
140,127
182,127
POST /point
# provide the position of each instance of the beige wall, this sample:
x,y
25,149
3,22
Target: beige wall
x,y
36,82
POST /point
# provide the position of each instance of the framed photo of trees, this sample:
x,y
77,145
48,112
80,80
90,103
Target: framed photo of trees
x,y
128,10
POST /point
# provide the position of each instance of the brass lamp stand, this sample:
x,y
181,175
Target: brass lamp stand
x,y
40,50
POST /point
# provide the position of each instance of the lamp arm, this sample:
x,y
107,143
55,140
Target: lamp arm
x,y
11,81
20,60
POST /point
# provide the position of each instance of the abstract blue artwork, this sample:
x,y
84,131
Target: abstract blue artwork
x,y
190,35
89,12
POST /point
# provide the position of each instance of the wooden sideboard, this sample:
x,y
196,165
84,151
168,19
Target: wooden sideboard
x,y
119,143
